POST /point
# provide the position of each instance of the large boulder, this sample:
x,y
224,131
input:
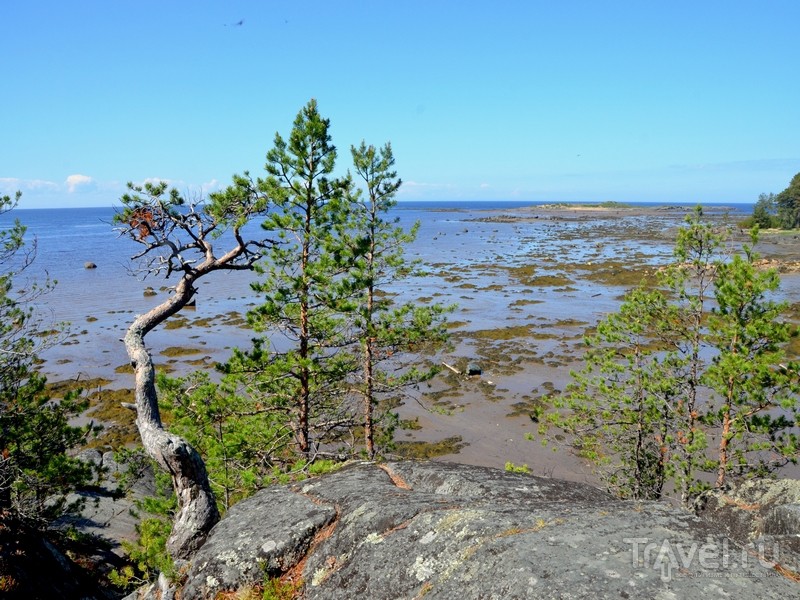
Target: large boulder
x,y
762,515
407,530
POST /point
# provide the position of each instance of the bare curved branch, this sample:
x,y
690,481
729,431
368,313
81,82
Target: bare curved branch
x,y
177,237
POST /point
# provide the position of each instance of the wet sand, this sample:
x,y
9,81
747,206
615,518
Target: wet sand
x,y
528,282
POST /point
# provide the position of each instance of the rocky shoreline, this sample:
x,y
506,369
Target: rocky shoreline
x,y
438,530
528,294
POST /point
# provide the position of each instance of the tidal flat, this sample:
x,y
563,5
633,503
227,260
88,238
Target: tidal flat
x,y
529,284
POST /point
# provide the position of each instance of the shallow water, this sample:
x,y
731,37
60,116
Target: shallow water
x,y
467,259
555,273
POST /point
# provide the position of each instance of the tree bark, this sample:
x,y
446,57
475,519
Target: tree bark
x,y
723,448
369,357
369,392
197,509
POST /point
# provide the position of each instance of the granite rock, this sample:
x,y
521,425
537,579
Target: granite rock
x,y
438,530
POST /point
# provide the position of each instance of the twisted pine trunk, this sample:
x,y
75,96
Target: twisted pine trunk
x,y
197,509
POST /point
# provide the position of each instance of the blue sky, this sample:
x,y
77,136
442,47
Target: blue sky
x,y
529,100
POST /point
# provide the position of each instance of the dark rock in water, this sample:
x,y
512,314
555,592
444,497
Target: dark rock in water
x,y
89,265
438,530
473,369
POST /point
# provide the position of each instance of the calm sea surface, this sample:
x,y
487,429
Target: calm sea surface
x,y
100,303
67,238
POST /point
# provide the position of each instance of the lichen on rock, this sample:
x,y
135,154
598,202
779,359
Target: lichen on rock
x,y
408,529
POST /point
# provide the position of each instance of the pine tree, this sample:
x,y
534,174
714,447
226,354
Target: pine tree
x,y
696,358
681,331
302,287
36,470
384,329
618,406
244,445
765,212
788,204
179,237
756,404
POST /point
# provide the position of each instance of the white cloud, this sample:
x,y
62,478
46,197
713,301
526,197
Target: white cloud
x,y
12,184
484,186
157,180
210,186
78,182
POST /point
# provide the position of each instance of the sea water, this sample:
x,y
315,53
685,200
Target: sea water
x,y
100,303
